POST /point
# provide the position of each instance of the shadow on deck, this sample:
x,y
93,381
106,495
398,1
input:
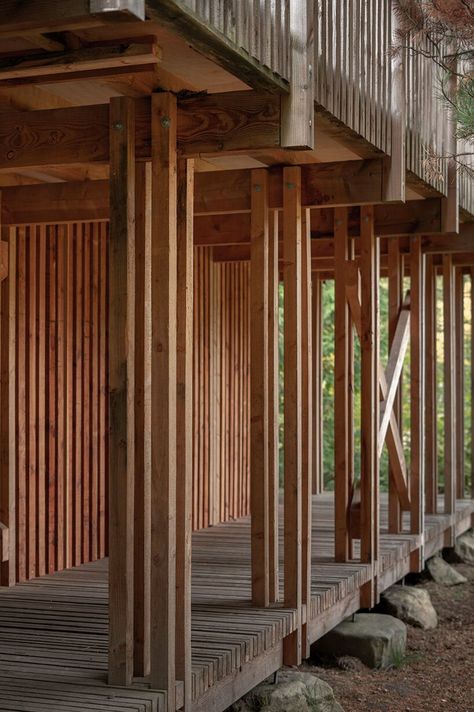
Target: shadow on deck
x,y
53,630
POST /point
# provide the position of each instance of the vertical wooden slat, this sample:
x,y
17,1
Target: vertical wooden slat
x,y
259,486
95,393
306,426
292,404
459,370
342,434
417,395
77,433
369,467
449,387
317,339
184,427
62,522
32,400
103,386
431,420
21,394
121,395
8,430
273,406
163,395
51,402
39,383
142,475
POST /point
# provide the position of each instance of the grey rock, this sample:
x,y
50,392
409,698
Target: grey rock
x,y
444,574
376,639
464,547
294,692
411,605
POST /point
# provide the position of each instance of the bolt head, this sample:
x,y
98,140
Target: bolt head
x,y
165,122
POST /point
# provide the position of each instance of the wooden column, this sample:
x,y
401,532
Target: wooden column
x,y
342,434
184,428
7,415
292,405
163,395
369,466
417,394
306,424
273,406
449,388
395,299
142,424
259,484
317,339
121,388
459,371
431,420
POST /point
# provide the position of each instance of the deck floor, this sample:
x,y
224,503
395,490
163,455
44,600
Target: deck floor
x,y
53,630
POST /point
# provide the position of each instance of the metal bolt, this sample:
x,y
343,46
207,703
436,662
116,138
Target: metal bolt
x,y
257,188
118,125
165,122
290,185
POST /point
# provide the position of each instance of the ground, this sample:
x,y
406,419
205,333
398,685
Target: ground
x,y
438,671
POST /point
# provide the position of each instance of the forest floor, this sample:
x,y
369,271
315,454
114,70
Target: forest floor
x,y
437,673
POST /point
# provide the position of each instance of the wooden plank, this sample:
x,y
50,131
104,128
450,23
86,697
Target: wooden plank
x,y
292,405
259,484
395,296
184,426
431,419
396,165
273,406
369,466
342,417
163,395
317,339
121,306
8,376
449,387
80,134
142,515
459,370
306,428
417,398
297,130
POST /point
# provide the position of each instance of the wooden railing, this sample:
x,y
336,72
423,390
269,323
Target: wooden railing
x,y
352,63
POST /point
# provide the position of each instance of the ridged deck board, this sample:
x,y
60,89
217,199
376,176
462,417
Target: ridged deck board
x,y
53,630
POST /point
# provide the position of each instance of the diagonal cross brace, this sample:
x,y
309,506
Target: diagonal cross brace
x,y
394,442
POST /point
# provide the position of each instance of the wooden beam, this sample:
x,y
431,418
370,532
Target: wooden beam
x,y
292,406
163,395
431,419
273,407
449,388
88,61
395,297
417,398
44,16
184,427
259,484
395,182
297,129
369,467
223,123
121,307
342,418
459,371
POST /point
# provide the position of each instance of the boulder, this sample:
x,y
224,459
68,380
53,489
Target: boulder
x,y
294,692
444,574
411,605
376,639
464,547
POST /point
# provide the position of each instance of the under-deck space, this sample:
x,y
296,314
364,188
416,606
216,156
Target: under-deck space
x,y
53,629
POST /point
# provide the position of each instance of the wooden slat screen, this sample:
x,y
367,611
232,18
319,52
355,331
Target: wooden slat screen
x,y
61,341
60,312
221,390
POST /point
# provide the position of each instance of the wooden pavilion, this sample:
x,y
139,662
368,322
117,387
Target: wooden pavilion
x,y
164,167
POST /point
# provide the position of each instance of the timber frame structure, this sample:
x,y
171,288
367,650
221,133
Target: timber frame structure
x,y
164,167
